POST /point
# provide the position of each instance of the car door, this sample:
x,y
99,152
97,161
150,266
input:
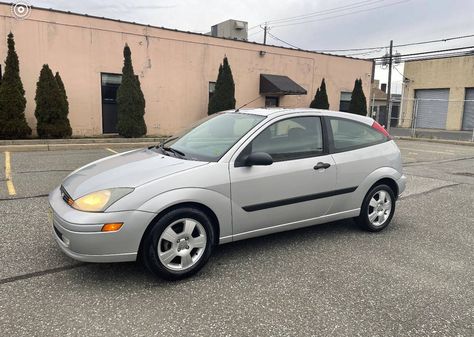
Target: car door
x,y
291,191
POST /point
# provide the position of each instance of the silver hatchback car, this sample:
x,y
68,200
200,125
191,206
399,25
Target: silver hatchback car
x,y
232,176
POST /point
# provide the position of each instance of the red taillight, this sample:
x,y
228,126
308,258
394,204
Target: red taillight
x,y
381,129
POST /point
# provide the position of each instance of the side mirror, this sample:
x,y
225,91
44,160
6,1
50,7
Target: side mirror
x,y
258,158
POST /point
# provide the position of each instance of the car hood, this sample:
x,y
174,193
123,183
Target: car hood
x,y
129,169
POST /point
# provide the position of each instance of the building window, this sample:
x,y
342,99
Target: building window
x,y
212,89
272,101
345,101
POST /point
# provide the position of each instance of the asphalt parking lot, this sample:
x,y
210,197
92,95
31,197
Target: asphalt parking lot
x,y
416,278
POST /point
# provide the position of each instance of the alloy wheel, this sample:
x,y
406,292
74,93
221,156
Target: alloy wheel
x,y
380,208
181,244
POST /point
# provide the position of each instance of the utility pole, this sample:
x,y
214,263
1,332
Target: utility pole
x,y
389,85
265,34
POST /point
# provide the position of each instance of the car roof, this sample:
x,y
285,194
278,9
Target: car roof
x,y
276,112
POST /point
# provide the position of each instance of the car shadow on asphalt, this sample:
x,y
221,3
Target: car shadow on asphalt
x,y
231,253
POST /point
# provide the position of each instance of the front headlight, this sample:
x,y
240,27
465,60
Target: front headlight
x,y
99,201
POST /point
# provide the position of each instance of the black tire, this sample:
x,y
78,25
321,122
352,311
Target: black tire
x,y
363,219
150,243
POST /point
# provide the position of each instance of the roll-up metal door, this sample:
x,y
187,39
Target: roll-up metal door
x,y
468,114
432,108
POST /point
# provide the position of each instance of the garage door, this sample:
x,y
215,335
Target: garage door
x,y
468,114
432,108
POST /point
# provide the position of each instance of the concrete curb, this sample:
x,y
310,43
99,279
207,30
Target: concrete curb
x,y
109,140
72,146
440,141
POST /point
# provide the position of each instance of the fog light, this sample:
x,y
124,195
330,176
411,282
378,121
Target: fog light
x,y
111,227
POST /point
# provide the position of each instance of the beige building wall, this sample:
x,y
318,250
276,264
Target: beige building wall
x,y
453,73
175,67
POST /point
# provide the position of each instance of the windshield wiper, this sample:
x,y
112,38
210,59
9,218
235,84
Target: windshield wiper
x,y
177,153
167,141
160,145
164,149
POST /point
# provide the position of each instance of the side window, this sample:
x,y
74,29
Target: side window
x,y
292,138
349,135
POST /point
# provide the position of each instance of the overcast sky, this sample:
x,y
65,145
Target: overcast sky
x,y
338,24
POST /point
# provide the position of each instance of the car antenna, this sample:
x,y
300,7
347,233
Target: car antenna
x,y
240,107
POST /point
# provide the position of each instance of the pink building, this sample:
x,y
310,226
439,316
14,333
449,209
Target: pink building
x,y
176,69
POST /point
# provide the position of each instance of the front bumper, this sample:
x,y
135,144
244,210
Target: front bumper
x,y
79,235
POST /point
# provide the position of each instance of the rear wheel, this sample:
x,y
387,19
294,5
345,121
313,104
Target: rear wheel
x,y
179,243
377,208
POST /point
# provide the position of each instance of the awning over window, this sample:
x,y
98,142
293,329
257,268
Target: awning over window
x,y
279,85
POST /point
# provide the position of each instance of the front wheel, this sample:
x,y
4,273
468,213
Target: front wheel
x,y
179,243
377,209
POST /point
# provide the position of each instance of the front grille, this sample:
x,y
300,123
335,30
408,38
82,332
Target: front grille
x,y
66,197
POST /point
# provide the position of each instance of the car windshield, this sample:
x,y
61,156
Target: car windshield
x,y
212,137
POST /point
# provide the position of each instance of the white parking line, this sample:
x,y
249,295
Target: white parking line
x,y
8,174
109,149
428,151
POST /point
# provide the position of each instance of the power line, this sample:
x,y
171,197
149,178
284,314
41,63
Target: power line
x,y
303,16
365,53
350,49
280,23
255,33
398,71
401,57
380,48
435,56
427,52
326,11
341,15
400,45
433,41
278,39
407,57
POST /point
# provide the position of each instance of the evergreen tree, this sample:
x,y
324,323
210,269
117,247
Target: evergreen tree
x,y
320,100
316,100
62,90
65,104
12,98
358,104
51,106
130,100
224,94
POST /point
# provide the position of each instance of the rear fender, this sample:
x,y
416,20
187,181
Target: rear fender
x,y
354,200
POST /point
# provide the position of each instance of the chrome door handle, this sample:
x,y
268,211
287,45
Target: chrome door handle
x,y
321,165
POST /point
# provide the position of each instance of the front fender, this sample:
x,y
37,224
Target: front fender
x,y
217,202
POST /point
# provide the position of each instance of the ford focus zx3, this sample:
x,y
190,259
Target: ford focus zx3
x,y
232,176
